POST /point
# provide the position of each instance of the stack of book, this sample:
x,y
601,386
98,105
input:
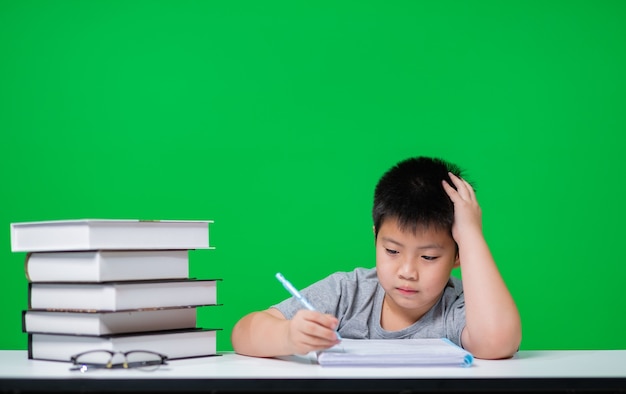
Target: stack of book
x,y
114,284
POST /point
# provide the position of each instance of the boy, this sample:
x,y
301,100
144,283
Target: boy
x,y
427,222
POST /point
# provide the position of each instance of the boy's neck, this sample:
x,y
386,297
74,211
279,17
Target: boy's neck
x,y
395,318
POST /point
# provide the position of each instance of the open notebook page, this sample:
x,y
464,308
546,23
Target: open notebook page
x,y
396,353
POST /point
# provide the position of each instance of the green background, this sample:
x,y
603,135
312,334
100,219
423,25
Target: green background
x,y
275,119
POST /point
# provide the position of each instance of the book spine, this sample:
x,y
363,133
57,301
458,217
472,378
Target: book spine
x,y
30,346
24,321
30,288
26,266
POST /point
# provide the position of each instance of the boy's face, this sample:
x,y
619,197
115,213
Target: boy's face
x,y
413,269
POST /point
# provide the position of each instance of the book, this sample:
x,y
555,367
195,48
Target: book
x,y
119,296
175,344
395,353
107,323
98,234
106,265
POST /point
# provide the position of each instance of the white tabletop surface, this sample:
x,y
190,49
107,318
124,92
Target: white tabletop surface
x,y
14,364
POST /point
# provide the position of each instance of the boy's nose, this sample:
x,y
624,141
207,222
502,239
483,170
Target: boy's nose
x,y
408,270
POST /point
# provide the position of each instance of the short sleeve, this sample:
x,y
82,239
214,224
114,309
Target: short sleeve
x,y
324,295
455,320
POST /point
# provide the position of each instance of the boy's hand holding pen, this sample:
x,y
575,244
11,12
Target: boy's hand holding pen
x,y
295,293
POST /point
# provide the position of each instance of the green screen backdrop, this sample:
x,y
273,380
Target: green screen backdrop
x,y
275,119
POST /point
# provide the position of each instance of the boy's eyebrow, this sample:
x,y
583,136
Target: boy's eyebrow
x,y
421,247
430,246
393,241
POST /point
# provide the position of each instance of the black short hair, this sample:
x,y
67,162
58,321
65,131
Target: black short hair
x,y
411,192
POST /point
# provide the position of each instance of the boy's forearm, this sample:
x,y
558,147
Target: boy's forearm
x,y
493,326
260,334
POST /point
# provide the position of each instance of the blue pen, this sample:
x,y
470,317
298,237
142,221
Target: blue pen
x,y
294,292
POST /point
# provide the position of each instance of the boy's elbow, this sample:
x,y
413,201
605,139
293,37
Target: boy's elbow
x,y
496,351
497,346
240,337
234,338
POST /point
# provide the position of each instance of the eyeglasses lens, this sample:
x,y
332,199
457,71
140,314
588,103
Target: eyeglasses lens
x,y
138,359
143,360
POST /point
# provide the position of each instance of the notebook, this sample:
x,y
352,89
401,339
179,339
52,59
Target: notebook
x,y
435,352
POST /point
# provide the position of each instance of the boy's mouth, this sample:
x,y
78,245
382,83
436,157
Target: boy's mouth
x,y
406,291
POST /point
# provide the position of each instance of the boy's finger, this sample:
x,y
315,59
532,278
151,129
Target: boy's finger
x,y
470,189
458,182
462,187
452,193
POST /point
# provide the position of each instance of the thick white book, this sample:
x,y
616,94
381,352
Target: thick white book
x,y
106,265
118,296
108,323
174,344
395,353
112,234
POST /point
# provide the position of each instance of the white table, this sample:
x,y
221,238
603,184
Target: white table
x,y
546,371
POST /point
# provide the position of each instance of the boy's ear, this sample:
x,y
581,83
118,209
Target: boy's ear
x,y
457,261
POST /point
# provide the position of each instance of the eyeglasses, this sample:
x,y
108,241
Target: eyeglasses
x,y
106,359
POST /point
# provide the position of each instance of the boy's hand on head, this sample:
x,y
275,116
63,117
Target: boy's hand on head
x,y
311,331
467,212
493,324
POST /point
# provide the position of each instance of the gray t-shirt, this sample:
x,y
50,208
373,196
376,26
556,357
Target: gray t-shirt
x,y
356,299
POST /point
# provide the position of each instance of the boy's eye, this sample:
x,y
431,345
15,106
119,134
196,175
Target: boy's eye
x,y
429,258
391,251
